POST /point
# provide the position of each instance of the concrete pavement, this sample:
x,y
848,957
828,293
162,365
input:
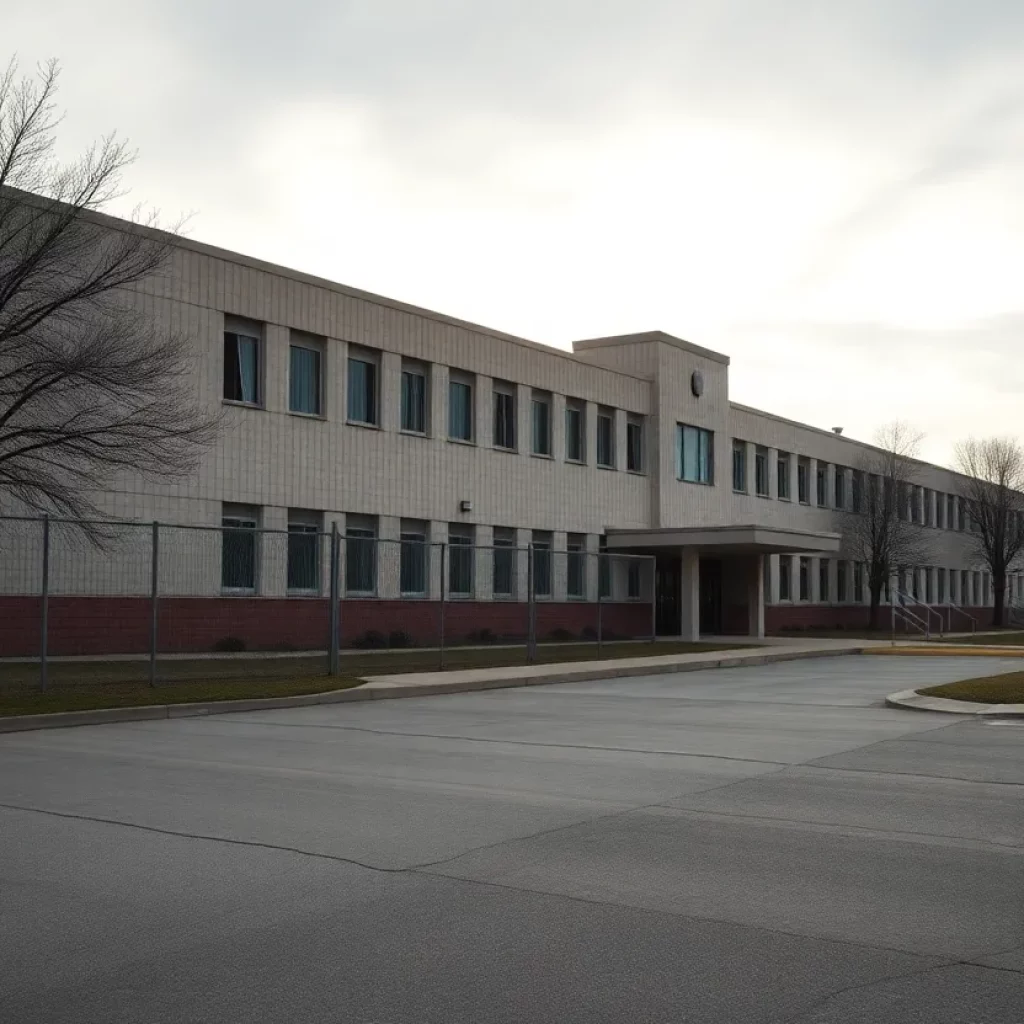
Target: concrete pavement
x,y
766,843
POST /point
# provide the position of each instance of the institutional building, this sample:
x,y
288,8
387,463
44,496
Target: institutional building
x,y
398,423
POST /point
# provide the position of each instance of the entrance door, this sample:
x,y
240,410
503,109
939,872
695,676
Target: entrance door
x,y
668,617
711,596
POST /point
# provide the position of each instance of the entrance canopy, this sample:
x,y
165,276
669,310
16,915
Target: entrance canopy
x,y
725,540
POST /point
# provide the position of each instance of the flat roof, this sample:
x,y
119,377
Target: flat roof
x,y
738,539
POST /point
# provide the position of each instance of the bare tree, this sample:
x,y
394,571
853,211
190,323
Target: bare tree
x,y
879,531
89,387
991,488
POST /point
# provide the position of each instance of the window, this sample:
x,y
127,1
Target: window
x,y
782,470
460,560
305,377
575,585
304,530
903,500
504,562
412,570
540,420
635,444
414,397
916,504
739,466
840,581
761,472
460,407
575,431
965,587
606,438
785,583
360,554
824,591
242,368
805,579
504,415
541,563
633,579
858,582
694,454
822,479
928,586
238,547
927,514
604,569
856,490
840,487
803,483
362,387
950,512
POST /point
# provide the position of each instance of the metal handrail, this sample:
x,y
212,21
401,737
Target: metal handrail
x,y
953,606
901,611
905,599
1014,612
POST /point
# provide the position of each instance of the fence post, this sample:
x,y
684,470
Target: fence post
x,y
153,596
531,606
334,653
444,587
44,620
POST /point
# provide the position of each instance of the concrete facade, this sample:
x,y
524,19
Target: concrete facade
x,y
281,466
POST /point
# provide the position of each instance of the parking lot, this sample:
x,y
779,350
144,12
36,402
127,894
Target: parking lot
x,y
754,844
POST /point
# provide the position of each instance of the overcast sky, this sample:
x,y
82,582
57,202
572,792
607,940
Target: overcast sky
x,y
830,192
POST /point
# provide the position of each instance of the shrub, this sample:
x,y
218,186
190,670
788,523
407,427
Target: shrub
x,y
482,636
589,633
229,645
284,647
399,638
370,640
561,636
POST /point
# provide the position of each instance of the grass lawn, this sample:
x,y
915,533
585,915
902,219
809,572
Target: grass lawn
x,y
1003,689
81,685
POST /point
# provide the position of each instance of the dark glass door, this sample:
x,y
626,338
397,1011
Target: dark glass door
x,y
668,618
710,596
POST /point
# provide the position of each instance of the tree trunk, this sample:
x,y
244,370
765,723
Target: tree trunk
x,y
874,615
999,598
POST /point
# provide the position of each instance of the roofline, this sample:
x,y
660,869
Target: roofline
x,y
615,340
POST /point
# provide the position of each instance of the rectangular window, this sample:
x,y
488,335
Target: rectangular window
x,y
824,591
238,547
604,569
606,438
822,484
242,368
635,444
540,420
915,504
840,487
362,387
858,582
460,560
927,586
840,581
783,476
304,530
541,563
950,512
694,454
576,585
856,490
803,484
739,466
575,431
305,378
633,579
360,554
805,579
926,501
414,397
412,570
504,562
504,415
785,583
940,511
460,408
941,585
761,472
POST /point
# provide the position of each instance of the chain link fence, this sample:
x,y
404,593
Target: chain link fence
x,y
155,602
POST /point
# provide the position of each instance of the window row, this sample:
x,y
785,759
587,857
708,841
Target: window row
x,y
415,561
243,376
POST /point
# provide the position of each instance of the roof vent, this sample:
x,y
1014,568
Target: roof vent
x,y
837,430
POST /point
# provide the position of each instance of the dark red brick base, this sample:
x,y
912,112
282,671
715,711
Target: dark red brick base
x,y
822,616
121,625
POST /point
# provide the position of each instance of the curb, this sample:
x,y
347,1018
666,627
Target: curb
x,y
381,688
914,701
